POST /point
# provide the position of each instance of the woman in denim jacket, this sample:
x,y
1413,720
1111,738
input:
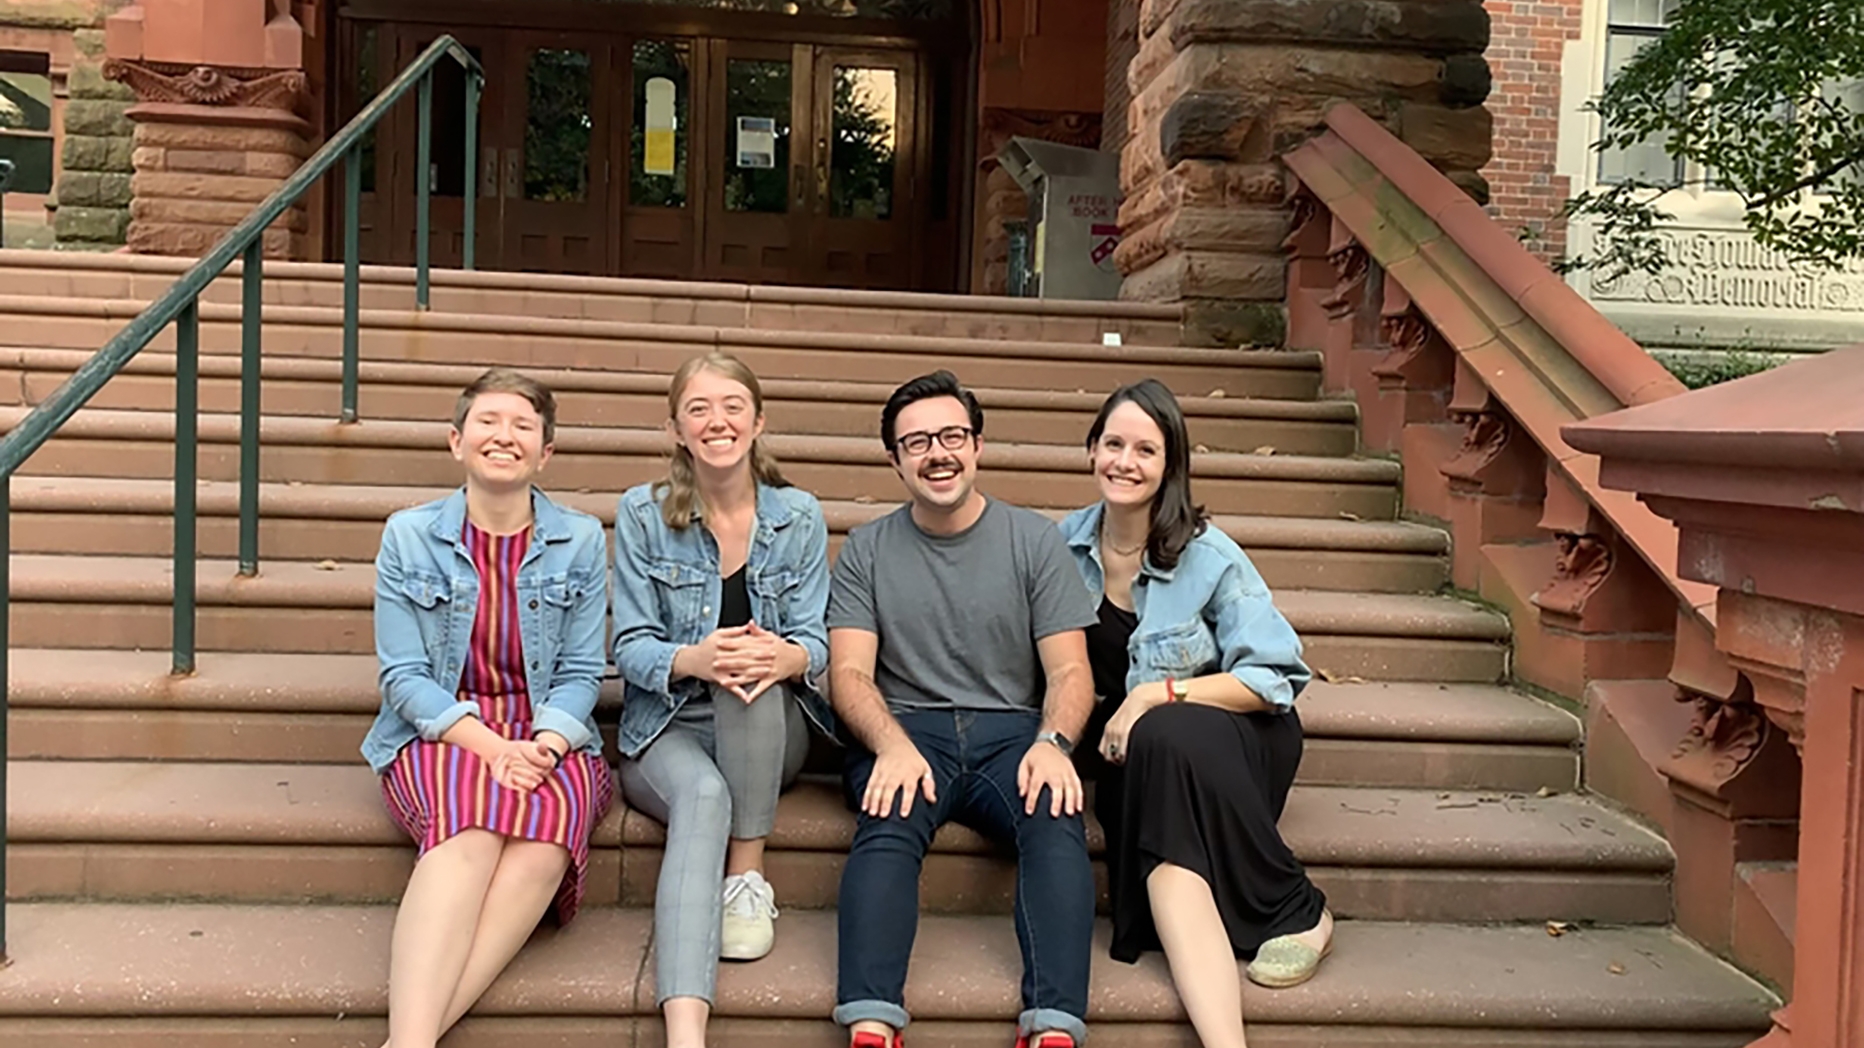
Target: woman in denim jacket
x,y
720,585
1197,673
488,627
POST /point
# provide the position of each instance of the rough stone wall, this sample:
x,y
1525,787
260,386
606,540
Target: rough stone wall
x,y
94,191
1526,44
1222,87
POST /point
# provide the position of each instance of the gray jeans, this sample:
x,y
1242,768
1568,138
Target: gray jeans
x,y
713,774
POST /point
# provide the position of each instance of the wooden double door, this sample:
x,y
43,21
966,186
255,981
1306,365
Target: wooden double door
x,y
687,157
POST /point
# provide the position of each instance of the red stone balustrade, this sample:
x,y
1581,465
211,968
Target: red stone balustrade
x,y
1467,356
1764,477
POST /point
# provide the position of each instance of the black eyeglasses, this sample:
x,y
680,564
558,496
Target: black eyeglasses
x,y
951,438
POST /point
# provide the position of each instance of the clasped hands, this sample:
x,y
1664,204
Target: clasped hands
x,y
744,660
524,764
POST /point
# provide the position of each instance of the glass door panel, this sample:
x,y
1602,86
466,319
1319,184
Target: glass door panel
x,y
553,188
754,218
863,217
658,228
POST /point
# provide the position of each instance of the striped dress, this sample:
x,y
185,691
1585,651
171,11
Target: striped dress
x,y
435,790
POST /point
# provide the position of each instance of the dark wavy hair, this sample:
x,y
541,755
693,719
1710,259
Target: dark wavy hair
x,y
1176,520
940,383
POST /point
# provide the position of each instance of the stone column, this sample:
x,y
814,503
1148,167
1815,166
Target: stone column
x,y
1221,87
221,97
1769,506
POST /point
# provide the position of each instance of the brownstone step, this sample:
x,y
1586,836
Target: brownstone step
x,y
142,278
259,832
104,443
165,976
120,705
292,606
544,342
311,388
126,516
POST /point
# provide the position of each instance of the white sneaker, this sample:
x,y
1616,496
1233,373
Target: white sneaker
x,y
750,917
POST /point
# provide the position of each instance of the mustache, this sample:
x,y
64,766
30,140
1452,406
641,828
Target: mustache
x,y
933,467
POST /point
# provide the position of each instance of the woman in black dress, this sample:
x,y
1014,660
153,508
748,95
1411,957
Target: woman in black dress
x,y
1198,739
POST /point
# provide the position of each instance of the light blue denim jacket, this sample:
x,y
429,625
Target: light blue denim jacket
x,y
666,593
1211,612
426,595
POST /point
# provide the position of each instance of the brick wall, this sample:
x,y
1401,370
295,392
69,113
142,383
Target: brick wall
x,y
1122,45
1526,40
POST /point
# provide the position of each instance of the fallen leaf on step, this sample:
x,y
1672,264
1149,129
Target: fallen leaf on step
x,y
1266,449
326,565
1202,449
1444,805
1346,515
1546,791
1615,968
1326,675
1350,679
1217,394
1443,796
294,483
1557,928
864,499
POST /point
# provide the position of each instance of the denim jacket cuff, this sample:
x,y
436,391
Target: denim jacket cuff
x,y
1268,684
574,732
431,730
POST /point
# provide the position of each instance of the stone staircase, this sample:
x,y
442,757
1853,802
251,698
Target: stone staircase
x,y
206,861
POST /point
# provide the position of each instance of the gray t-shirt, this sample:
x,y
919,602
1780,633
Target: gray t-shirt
x,y
958,616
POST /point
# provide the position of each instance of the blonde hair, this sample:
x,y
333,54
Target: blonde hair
x,y
679,493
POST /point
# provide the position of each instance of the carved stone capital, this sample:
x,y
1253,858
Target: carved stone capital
x,y
1733,758
1407,364
211,85
998,125
1584,563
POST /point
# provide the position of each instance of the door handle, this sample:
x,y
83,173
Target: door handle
x,y
514,187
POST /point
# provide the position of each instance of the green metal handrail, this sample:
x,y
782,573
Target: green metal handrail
x,y
180,305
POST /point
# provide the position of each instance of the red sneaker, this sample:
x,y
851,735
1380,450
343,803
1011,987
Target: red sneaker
x,y
870,1039
1046,1039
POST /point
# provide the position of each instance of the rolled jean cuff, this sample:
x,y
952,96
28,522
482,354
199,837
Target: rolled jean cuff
x,y
1042,1020
873,1012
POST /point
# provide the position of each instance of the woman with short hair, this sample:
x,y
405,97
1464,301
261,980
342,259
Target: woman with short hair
x,y
488,627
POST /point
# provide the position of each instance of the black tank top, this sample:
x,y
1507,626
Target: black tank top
x,y
734,605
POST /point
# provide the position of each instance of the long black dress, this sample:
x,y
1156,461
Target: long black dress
x,y
1201,788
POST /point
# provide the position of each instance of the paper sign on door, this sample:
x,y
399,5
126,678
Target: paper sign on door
x,y
757,141
659,127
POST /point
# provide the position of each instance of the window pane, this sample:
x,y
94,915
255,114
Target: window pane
x,y
365,83
25,101
32,162
557,126
1646,161
446,173
757,136
662,97
1652,13
861,154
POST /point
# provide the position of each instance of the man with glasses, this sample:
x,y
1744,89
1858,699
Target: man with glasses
x,y
959,666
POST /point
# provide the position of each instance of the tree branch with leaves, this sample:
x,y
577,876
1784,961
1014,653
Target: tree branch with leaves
x,y
1761,98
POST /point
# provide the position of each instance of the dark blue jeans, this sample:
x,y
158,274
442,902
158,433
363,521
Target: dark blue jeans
x,y
974,756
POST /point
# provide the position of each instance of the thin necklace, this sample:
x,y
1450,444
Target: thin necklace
x,y
1122,552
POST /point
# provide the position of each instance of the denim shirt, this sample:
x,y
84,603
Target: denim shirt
x,y
1211,612
666,594
427,595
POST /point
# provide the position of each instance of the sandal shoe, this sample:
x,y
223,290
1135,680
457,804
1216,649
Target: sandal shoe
x,y
1286,961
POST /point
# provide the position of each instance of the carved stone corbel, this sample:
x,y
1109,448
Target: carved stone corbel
x,y
1485,437
1308,221
1725,734
1351,268
1584,563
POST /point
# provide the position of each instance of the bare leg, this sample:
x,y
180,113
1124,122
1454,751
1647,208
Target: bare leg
x,y
526,880
743,856
434,931
1203,966
686,1019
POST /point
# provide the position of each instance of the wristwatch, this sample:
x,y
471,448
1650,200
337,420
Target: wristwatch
x,y
1180,690
1061,742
